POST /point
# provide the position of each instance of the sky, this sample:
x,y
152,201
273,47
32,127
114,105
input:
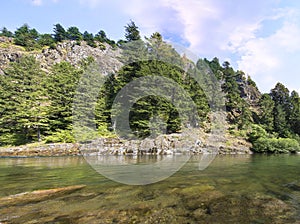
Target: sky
x,y
261,38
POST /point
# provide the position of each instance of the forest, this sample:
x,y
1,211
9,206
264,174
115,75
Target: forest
x,y
36,106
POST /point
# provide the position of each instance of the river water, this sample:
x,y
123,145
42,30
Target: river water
x,y
232,189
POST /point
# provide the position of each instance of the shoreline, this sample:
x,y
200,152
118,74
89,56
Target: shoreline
x,y
162,145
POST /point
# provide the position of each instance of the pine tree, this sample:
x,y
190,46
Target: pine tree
x,y
6,33
62,82
267,107
23,102
281,97
73,33
60,33
24,36
101,36
132,32
295,112
89,38
46,40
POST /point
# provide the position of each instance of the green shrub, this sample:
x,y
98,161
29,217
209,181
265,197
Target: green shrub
x,y
12,139
65,136
274,145
257,132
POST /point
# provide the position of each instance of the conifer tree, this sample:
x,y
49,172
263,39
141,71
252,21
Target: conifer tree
x,y
62,82
23,102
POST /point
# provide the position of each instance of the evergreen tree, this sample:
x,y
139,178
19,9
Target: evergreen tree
x,y
280,122
73,33
215,66
267,107
251,82
281,97
295,112
132,32
24,36
60,33
101,36
89,39
46,40
62,82
6,33
158,49
23,102
134,49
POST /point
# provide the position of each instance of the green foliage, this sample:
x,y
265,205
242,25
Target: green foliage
x,y
281,111
30,38
61,85
65,136
35,106
89,38
101,36
73,33
257,132
60,33
46,40
26,37
266,118
237,107
215,67
295,113
251,82
263,143
104,132
159,59
6,33
274,145
132,32
23,102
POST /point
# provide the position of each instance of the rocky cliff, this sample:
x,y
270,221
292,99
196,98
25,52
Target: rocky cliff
x,y
69,51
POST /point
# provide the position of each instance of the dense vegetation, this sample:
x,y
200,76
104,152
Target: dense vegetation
x,y
31,39
37,106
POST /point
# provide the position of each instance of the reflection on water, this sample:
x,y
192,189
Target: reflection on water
x,y
137,170
233,189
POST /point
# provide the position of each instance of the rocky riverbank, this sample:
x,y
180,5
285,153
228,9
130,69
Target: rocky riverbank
x,y
161,145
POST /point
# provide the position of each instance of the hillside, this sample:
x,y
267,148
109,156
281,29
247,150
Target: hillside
x,y
39,80
68,51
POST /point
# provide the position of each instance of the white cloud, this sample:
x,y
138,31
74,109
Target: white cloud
x,y
236,30
91,3
37,2
41,2
273,58
230,29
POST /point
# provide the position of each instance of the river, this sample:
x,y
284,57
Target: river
x,y
232,189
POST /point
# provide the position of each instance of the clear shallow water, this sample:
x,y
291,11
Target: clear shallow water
x,y
233,189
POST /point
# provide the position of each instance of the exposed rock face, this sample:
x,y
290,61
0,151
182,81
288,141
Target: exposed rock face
x,y
161,145
54,149
250,93
68,51
8,52
71,52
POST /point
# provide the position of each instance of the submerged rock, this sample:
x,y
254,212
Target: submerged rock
x,y
37,196
293,186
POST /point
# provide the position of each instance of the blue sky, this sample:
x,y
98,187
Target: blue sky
x,y
262,38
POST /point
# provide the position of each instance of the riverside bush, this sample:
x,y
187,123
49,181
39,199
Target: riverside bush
x,y
274,145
